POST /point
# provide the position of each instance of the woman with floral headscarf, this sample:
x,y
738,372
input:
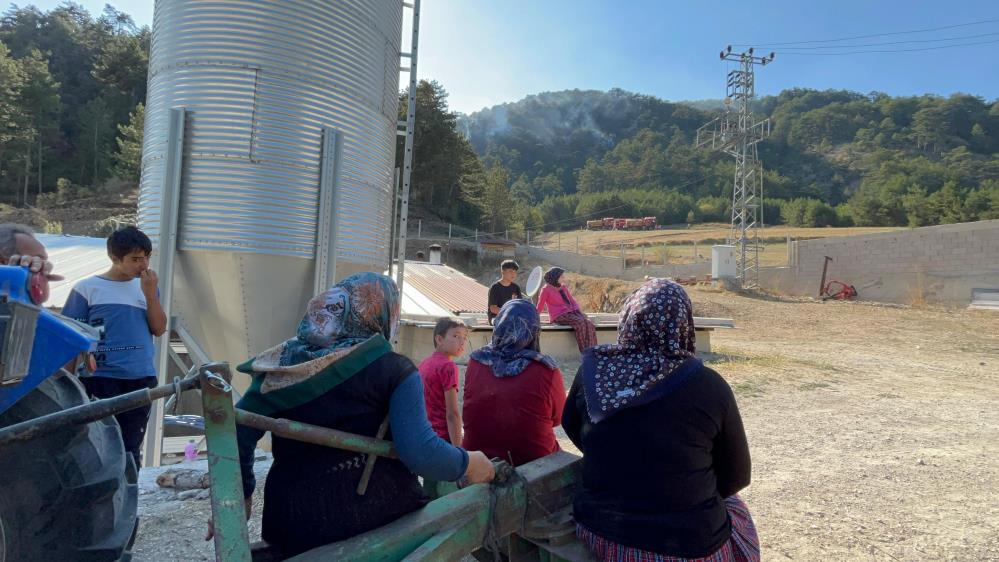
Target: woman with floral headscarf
x,y
664,451
340,373
564,310
513,393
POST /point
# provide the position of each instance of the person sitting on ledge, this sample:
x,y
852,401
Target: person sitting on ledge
x,y
564,310
664,451
513,393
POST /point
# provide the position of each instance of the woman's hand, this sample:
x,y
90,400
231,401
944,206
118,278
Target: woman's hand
x,y
211,522
480,468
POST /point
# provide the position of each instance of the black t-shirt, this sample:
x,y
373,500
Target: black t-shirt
x,y
498,295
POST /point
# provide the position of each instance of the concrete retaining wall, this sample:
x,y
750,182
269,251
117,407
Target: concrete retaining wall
x,y
672,270
940,264
600,266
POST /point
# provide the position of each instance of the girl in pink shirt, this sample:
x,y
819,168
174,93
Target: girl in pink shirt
x,y
564,310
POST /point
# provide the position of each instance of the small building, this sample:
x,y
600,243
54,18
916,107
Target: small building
x,y
497,246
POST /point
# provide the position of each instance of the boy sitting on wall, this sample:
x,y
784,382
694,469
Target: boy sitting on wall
x,y
504,289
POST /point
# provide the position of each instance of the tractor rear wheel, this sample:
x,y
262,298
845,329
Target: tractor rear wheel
x,y
71,494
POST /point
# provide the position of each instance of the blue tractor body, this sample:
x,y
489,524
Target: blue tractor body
x,y
34,342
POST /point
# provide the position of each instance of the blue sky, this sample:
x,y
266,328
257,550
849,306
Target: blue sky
x,y
485,53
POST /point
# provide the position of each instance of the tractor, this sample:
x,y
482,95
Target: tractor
x,y
69,493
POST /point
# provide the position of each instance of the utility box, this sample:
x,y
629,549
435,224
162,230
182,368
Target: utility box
x,y
723,262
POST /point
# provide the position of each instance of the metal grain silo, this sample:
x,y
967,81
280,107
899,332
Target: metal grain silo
x,y
286,161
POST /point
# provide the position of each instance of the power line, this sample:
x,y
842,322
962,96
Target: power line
x,y
767,45
890,43
783,53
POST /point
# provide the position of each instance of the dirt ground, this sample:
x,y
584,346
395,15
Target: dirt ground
x,y
874,432
677,245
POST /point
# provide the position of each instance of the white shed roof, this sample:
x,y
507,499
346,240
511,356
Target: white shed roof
x,y
75,257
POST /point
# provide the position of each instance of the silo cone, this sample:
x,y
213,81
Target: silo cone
x,y
260,81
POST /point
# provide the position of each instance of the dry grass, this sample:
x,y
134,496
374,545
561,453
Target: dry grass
x,y
698,233
680,245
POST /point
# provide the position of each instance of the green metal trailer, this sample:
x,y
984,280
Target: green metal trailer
x,y
524,514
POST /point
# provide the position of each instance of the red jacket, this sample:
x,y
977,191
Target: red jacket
x,y
512,417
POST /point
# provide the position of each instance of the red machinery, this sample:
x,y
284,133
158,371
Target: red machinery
x,y
839,291
836,290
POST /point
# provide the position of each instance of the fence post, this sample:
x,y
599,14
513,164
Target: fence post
x,y
528,238
789,249
577,243
507,234
476,234
449,225
599,240
419,228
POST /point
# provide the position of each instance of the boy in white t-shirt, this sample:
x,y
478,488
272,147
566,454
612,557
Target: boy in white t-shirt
x,y
124,305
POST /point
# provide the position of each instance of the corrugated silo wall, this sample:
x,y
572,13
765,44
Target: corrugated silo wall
x,y
259,79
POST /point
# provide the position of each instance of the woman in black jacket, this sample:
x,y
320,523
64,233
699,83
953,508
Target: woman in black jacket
x,y
664,451
340,372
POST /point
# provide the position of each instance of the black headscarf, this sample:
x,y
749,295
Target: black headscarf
x,y
551,277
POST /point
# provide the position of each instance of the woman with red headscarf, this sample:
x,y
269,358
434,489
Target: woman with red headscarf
x,y
664,451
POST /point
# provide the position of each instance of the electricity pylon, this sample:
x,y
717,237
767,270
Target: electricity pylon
x,y
736,133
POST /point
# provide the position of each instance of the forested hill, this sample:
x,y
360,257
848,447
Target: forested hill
x,y
72,88
835,157
71,91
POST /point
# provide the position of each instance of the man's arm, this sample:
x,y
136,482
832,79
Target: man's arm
x,y
454,428
78,309
493,300
155,315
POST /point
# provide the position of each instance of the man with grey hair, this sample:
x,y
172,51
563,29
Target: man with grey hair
x,y
18,246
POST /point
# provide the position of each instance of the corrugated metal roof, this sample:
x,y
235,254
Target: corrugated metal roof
x,y
442,289
75,257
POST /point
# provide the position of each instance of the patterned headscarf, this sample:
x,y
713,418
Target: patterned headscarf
x,y
655,341
552,275
336,321
516,331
